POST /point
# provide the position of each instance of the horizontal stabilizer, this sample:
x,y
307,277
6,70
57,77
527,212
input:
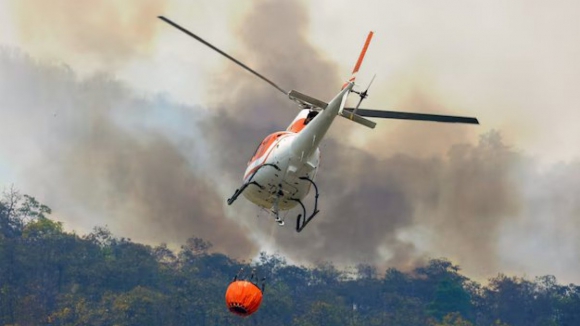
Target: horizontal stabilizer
x,y
411,116
305,99
358,119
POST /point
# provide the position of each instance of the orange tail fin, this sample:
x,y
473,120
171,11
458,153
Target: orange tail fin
x,y
360,59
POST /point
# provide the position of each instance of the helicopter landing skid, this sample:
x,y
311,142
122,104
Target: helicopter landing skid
x,y
302,220
239,191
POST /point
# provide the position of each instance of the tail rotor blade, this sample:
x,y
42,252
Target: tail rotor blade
x,y
363,95
372,80
359,102
224,54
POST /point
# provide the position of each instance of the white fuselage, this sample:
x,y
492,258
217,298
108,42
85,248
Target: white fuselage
x,y
286,180
295,153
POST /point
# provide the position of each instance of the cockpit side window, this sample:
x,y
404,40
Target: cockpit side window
x,y
257,148
263,146
310,116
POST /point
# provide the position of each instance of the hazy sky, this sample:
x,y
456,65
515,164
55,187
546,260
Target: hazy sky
x,y
147,129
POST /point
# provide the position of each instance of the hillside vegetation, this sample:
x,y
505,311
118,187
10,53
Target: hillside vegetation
x,y
52,277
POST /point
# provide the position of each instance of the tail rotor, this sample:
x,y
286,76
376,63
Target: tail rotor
x,y
364,94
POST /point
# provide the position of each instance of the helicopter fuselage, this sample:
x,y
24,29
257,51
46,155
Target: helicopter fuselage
x,y
284,157
278,171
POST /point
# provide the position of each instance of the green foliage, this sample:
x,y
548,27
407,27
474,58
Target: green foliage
x,y
31,208
452,319
52,277
449,297
42,228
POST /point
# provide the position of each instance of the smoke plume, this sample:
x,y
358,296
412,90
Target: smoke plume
x,y
91,146
108,32
391,197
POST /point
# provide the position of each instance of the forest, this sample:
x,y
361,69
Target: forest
x,y
52,277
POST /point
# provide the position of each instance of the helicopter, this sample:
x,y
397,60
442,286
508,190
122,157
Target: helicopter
x,y
282,170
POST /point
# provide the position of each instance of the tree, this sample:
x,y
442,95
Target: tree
x,y
569,306
450,297
140,306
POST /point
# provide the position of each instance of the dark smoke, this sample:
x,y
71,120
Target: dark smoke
x,y
369,203
88,143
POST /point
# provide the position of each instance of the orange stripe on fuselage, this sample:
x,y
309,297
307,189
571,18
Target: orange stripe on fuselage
x,y
266,149
297,126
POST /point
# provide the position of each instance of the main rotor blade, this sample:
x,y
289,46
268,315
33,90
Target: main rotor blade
x,y
413,116
223,53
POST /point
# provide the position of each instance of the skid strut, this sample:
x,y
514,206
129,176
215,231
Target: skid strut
x,y
276,209
302,220
239,191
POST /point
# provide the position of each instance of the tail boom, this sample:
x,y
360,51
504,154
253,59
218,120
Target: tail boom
x,y
308,138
